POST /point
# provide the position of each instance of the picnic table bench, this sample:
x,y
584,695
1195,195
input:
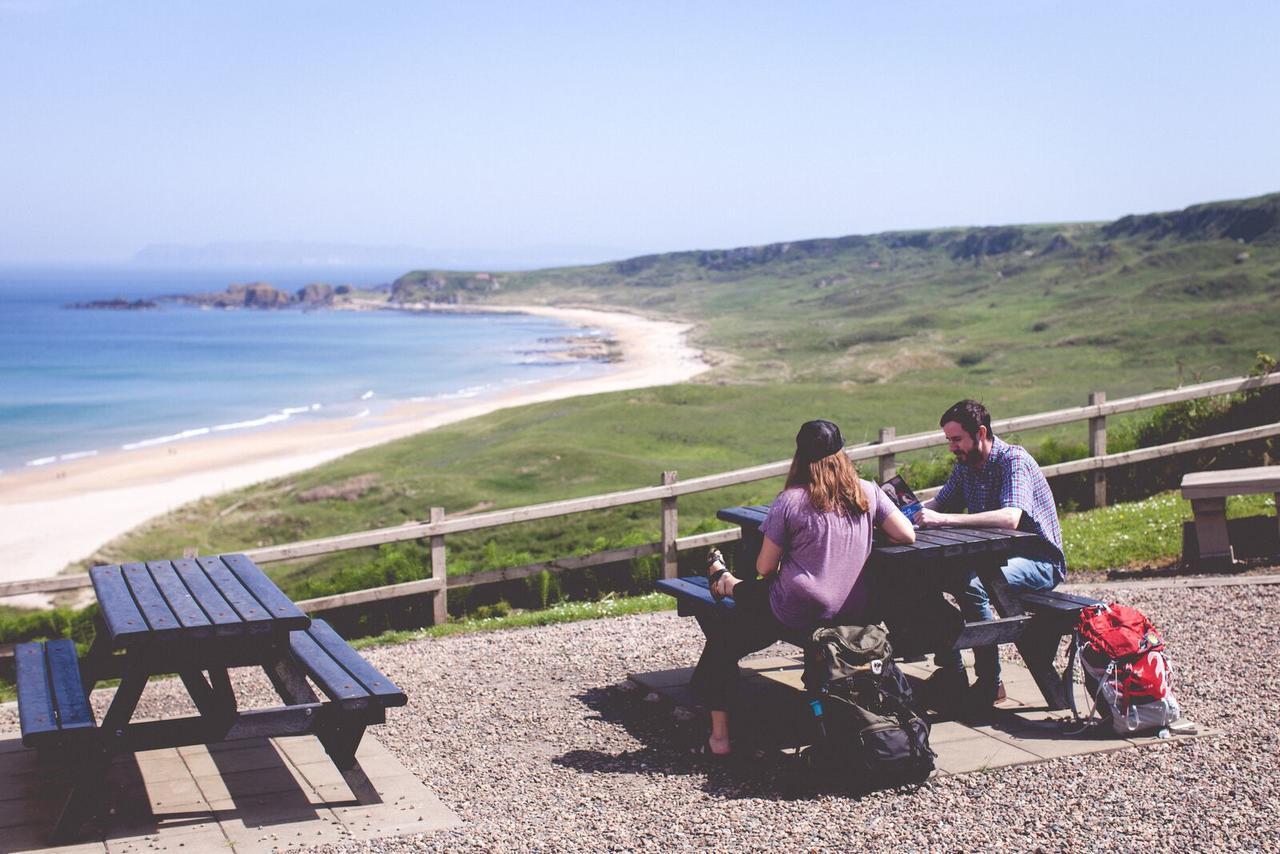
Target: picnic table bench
x,y
1208,492
907,574
198,618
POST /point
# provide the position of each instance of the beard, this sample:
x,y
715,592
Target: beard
x,y
971,457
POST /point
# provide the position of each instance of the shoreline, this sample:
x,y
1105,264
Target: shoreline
x,y
58,515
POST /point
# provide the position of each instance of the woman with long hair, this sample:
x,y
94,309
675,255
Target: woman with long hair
x,y
816,541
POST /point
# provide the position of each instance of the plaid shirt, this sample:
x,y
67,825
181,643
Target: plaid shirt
x,y
1010,478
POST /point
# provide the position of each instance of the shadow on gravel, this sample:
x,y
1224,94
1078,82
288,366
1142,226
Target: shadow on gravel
x,y
1241,569
755,771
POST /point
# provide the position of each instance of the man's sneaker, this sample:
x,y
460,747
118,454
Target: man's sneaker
x,y
979,702
982,693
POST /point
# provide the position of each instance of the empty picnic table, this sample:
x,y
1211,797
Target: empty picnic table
x,y
1208,492
198,618
906,575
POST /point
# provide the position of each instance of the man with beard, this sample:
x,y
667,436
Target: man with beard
x,y
1000,486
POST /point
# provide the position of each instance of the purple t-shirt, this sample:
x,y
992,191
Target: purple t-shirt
x,y
820,579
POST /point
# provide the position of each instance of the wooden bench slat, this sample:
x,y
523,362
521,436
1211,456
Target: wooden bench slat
x,y
354,663
253,614
74,711
1056,600
51,698
750,515
278,605
124,620
35,699
988,632
211,602
694,587
333,679
149,598
179,599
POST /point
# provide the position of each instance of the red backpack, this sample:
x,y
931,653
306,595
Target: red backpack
x,y
1125,669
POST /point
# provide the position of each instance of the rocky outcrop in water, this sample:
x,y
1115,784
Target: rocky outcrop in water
x,y
263,295
117,304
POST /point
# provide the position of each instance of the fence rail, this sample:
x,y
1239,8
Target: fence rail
x,y
670,489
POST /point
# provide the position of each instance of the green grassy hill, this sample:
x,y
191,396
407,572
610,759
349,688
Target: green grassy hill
x,y
1131,305
869,331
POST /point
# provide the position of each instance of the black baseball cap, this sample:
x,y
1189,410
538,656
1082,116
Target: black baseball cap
x,y
818,439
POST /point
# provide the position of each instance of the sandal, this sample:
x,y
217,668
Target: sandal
x,y
713,574
704,752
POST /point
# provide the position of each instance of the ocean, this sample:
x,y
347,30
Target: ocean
x,y
81,382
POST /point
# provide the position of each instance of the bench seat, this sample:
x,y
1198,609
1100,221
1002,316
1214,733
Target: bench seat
x,y
52,704
344,676
694,599
1058,610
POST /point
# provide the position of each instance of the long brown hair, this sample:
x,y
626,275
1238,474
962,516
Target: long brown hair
x,y
832,483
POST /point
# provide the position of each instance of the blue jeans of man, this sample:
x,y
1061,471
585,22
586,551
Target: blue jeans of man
x,y
1020,573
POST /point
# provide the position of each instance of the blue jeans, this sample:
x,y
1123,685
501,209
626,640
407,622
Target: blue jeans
x,y
1020,573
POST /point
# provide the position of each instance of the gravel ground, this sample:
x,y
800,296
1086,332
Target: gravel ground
x,y
530,737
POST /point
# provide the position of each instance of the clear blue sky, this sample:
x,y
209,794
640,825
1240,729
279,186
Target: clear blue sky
x,y
642,126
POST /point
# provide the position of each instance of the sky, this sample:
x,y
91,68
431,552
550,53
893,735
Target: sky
x,y
629,127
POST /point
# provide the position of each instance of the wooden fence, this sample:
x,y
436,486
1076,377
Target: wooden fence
x,y
669,490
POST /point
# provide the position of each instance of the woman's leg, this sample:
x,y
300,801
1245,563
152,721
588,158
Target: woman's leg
x,y
749,627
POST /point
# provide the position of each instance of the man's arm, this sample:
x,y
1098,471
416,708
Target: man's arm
x,y
1005,517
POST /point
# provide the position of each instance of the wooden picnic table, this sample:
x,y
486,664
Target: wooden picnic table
x,y
199,618
911,575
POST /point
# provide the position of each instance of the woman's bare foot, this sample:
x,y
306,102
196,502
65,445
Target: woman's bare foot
x,y
724,585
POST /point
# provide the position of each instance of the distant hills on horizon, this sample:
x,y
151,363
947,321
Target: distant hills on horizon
x,y
1243,219
321,257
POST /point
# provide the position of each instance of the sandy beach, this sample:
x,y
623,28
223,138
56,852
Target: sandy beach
x,y
56,515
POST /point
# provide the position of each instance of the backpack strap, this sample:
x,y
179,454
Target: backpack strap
x,y
1069,676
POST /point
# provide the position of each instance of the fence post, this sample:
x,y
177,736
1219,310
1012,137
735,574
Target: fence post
x,y
888,465
439,601
670,564
1098,448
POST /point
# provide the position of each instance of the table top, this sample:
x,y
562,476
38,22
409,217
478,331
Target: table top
x,y
931,543
192,598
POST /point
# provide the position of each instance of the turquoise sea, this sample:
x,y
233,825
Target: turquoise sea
x,y
75,383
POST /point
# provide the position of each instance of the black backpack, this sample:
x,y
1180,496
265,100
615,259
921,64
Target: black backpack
x,y
868,734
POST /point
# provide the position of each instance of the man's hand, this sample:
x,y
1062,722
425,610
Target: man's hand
x,y
930,518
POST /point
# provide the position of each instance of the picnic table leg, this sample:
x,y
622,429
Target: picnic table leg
x,y
1211,532
1036,648
126,698
99,654
341,733
85,800
748,550
290,683
88,787
214,699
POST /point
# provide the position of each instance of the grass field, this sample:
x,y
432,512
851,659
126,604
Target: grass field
x,y
867,331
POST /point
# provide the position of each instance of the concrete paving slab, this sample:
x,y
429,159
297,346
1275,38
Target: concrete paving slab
x,y
34,837
1020,730
980,753
253,796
